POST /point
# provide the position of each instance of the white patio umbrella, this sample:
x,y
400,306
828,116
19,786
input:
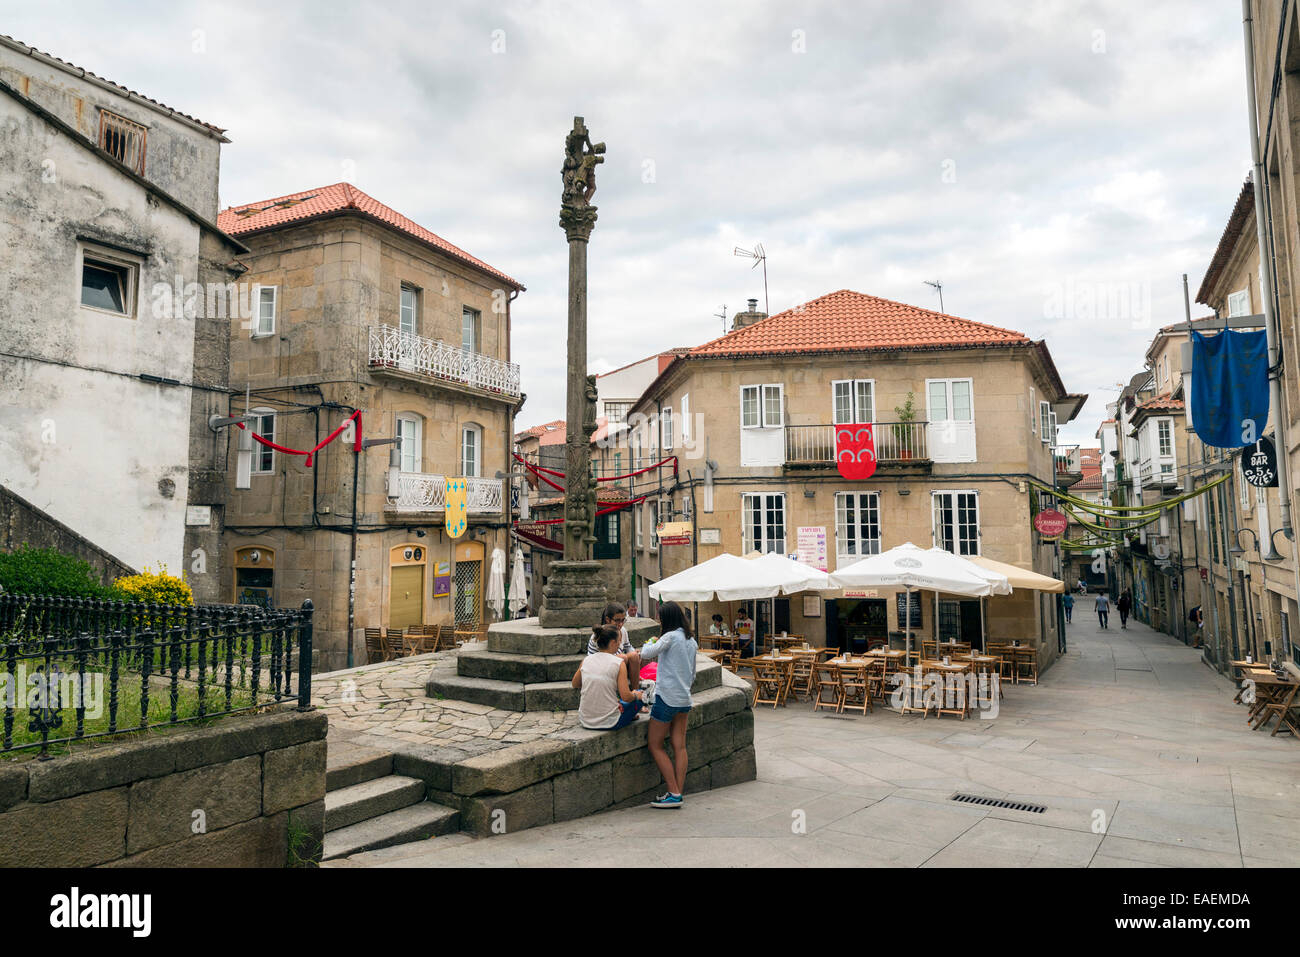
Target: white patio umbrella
x,y
496,586
912,568
725,577
518,583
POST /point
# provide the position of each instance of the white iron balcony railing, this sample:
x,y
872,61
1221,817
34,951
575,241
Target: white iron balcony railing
x,y
896,442
393,348
419,492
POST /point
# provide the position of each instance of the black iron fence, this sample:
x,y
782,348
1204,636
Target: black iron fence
x,y
74,668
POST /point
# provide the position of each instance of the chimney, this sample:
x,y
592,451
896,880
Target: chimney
x,y
747,318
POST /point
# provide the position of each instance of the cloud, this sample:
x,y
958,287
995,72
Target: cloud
x,y
1005,148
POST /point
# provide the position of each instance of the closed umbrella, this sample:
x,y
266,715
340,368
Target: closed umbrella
x,y
496,586
518,590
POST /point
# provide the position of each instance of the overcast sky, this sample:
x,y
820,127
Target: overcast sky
x,y
1034,156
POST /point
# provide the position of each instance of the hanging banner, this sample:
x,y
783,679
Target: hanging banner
x,y
1229,387
1259,464
855,451
456,508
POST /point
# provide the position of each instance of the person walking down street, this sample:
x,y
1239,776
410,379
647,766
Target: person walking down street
x,y
1082,586
1069,605
1103,610
1123,605
675,651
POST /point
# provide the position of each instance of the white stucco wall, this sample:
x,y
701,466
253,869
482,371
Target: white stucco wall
x,y
80,436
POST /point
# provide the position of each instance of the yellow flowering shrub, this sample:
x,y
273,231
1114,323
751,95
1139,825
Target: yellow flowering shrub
x,y
151,586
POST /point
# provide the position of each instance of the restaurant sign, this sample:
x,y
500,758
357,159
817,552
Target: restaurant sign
x,y
674,533
1259,464
1050,523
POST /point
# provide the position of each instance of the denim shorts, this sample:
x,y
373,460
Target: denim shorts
x,y
661,711
630,710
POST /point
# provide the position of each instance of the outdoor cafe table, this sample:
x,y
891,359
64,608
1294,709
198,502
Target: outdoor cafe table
x,y
1272,688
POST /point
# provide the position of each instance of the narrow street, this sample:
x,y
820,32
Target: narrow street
x,y
1131,744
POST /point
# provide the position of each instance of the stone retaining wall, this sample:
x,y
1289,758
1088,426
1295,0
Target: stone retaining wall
x,y
577,772
258,781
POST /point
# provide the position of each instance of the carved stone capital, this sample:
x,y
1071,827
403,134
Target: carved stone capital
x,y
577,223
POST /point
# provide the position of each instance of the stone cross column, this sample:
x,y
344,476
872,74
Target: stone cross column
x,y
574,595
578,218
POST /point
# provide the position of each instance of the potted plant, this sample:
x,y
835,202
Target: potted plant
x,y
902,429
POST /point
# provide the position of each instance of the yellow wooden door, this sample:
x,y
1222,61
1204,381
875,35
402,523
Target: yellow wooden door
x,y
406,596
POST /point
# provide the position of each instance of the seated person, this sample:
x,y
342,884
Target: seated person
x,y
718,627
607,700
614,615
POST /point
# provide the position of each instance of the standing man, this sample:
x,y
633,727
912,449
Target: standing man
x,y
1103,610
1068,601
1123,605
745,632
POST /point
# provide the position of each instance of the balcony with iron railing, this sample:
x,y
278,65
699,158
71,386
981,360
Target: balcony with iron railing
x,y
897,443
1068,465
407,355
421,492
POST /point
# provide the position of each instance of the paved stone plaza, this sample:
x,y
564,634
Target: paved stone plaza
x,y
1129,731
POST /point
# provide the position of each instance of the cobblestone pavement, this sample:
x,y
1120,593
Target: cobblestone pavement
x,y
389,701
1131,744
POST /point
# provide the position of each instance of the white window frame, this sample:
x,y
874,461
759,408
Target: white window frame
x,y
1243,487
476,322
1045,421
956,536
653,507
1053,422
639,522
415,308
843,538
262,454
764,541
1239,302
413,454
854,410
763,390
1160,439
477,432
758,406
261,331
686,417
113,260
666,427
1033,415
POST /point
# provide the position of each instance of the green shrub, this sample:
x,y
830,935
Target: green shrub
x,y
44,571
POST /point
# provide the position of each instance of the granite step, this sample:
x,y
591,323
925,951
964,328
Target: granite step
x,y
347,764
480,662
415,822
506,695
370,799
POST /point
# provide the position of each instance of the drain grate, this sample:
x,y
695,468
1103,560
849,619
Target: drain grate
x,y
998,802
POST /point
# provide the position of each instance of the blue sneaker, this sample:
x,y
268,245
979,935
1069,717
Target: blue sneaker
x,y
667,800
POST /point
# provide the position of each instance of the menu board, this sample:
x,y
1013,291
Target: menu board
x,y
811,547
903,605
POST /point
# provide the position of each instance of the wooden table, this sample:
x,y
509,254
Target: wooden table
x,y
787,665
1272,689
713,654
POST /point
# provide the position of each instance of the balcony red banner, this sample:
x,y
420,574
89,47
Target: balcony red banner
x,y
855,451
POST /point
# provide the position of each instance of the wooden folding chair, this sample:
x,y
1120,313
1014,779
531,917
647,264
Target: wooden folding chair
x,y
411,640
1278,705
446,638
429,637
828,687
855,692
393,643
802,674
876,684
1027,664
769,683
375,650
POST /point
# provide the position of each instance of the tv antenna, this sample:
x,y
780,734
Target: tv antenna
x,y
938,285
723,316
759,256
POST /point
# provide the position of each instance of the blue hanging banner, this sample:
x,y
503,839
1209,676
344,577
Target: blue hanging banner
x,y
1229,388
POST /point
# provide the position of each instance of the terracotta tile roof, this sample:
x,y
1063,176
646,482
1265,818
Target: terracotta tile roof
x,y
330,200
1242,210
82,71
545,429
1090,480
1161,403
848,321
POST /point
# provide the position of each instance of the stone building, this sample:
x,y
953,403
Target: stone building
x,y
964,413
359,308
114,320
